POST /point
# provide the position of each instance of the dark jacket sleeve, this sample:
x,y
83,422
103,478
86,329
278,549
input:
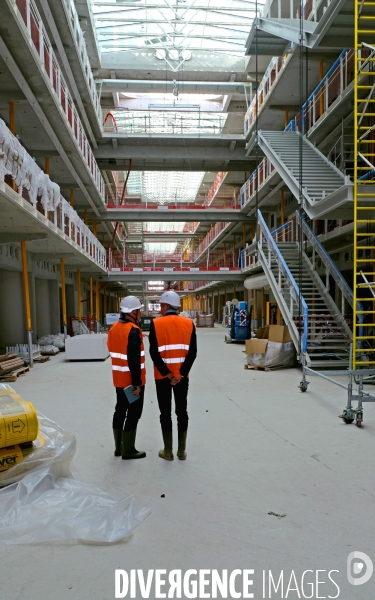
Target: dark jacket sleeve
x,y
134,356
191,355
154,352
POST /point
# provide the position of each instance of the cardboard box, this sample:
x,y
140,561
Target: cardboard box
x,y
279,333
256,346
262,333
270,354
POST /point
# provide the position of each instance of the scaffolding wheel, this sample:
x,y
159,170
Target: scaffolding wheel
x,y
227,339
303,386
347,420
359,420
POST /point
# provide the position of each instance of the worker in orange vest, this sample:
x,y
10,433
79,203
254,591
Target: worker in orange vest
x,y
125,345
173,349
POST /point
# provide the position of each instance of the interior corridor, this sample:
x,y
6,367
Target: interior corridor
x,y
255,445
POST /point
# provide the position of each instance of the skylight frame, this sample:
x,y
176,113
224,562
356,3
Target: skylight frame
x,y
193,25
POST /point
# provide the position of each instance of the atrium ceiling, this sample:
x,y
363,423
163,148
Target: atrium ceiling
x,y
158,127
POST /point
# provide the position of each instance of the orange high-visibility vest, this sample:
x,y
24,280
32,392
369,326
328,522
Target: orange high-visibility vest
x,y
173,335
118,346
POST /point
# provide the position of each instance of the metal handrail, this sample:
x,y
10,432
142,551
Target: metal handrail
x,y
328,263
287,274
346,291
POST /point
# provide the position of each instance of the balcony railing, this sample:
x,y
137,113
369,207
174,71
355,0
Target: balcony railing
x,y
211,235
136,203
256,179
214,188
269,79
44,195
79,41
336,80
27,12
122,260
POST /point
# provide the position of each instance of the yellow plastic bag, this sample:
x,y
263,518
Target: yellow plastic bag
x,y
18,420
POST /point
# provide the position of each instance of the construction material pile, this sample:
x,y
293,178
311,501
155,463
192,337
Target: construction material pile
x,y
11,366
49,350
205,320
28,440
18,428
272,347
57,340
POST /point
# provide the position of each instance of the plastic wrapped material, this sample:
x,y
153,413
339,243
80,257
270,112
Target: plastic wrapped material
x,y
276,355
18,420
205,320
54,446
43,502
5,386
57,340
43,507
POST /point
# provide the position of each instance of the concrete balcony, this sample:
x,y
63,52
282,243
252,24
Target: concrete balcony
x,y
64,29
34,69
32,208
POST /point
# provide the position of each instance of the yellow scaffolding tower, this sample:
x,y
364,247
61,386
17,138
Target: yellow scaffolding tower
x,y
364,184
362,358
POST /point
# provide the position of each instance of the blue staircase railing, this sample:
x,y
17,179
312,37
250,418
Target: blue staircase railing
x,y
267,236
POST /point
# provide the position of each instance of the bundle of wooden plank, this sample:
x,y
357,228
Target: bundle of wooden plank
x,y
11,366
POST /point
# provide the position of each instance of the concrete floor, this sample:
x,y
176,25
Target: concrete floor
x,y
255,444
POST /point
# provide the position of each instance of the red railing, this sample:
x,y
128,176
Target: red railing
x,y
29,14
118,260
214,188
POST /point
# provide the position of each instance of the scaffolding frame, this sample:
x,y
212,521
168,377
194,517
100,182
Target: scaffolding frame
x,y
364,207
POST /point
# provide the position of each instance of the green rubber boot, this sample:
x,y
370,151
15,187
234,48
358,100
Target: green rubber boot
x,y
117,435
167,453
128,450
181,452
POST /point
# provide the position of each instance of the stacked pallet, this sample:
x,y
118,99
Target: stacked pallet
x,y
11,366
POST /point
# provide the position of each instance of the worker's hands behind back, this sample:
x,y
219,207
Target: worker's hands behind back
x,y
174,380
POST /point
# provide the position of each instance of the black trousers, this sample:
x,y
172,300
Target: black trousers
x,y
164,395
127,415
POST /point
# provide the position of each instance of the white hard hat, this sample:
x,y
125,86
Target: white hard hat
x,y
130,303
171,298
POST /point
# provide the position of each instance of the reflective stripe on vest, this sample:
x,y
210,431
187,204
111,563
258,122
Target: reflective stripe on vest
x,y
122,356
173,335
123,369
118,337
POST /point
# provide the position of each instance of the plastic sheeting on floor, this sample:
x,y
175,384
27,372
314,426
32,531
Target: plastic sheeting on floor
x,y
44,503
45,508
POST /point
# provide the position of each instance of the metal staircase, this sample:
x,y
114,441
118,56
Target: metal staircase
x,y
304,300
324,186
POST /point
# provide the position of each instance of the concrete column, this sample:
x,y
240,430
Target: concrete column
x,y
43,307
33,304
12,313
54,302
70,303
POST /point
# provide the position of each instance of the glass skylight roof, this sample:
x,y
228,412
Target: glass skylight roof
x,y
174,29
176,123
165,187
